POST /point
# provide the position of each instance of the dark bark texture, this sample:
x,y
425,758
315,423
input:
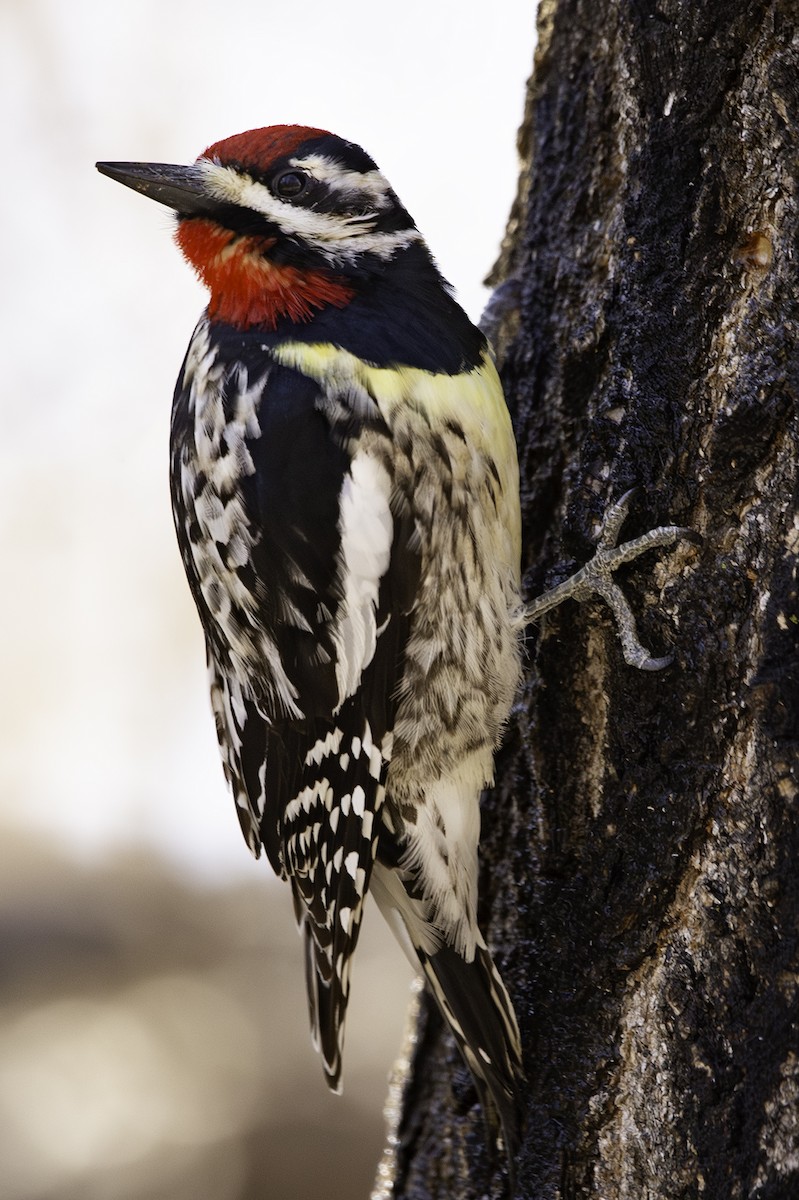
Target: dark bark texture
x,y
640,854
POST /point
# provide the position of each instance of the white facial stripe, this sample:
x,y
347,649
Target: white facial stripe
x,y
331,232
371,185
233,187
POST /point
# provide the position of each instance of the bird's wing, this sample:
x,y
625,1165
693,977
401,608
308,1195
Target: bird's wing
x,y
325,775
319,571
334,780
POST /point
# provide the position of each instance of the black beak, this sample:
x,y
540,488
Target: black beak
x,y
180,188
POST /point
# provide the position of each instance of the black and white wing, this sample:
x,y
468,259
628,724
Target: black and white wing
x,y
304,575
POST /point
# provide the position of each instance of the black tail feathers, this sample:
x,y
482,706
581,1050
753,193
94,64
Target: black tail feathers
x,y
478,1010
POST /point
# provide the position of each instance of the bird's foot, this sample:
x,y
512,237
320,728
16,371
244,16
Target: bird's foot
x,y
596,578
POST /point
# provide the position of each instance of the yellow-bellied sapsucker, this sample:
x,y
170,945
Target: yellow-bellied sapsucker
x,y
345,492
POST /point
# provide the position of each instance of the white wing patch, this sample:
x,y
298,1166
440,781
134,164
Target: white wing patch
x,y
367,530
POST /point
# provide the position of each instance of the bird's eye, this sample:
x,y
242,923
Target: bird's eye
x,y
290,184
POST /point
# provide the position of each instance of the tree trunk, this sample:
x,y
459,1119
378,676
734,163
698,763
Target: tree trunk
x,y
640,853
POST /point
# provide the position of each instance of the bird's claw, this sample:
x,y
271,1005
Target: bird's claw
x,y
596,578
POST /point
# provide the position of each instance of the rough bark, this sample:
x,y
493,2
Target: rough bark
x,y
640,848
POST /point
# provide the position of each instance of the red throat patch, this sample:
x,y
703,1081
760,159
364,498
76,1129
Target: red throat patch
x,y
246,288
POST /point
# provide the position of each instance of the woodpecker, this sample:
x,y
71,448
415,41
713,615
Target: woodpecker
x,y
346,497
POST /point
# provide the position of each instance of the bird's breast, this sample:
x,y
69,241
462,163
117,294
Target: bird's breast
x,y
448,444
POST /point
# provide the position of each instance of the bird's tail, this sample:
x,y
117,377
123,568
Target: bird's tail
x,y
475,1004
472,998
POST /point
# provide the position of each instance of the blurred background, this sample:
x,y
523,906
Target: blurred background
x,y
153,1029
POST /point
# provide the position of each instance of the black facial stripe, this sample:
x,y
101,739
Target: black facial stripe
x,y
346,154
291,247
337,152
244,221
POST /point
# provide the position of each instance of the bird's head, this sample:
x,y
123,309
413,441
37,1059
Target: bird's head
x,y
278,222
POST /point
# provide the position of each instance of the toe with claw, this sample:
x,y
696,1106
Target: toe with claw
x,y
596,578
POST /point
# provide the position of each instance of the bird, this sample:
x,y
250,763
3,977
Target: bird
x,y
345,492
